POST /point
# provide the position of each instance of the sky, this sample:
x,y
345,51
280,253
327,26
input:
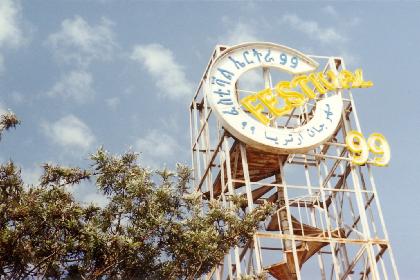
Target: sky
x,y
121,74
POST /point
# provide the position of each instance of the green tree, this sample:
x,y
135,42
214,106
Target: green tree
x,y
152,227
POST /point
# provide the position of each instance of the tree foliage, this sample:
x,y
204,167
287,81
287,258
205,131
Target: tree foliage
x,y
153,226
7,121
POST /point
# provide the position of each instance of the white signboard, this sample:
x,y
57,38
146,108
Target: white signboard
x,y
220,92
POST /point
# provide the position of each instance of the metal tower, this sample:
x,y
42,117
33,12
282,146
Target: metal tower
x,y
328,222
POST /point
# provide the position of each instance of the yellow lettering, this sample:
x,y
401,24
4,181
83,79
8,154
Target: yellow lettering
x,y
322,83
270,101
358,80
256,110
302,82
314,80
326,83
291,98
346,78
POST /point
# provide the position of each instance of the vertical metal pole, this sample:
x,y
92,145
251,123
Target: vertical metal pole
x,y
289,218
192,144
381,218
250,200
309,185
196,143
328,222
206,132
231,192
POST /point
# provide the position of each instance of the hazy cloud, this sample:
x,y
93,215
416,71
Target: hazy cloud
x,y
330,10
76,85
3,109
156,147
351,59
113,102
252,80
169,76
31,175
2,67
354,21
69,132
17,97
78,41
86,193
314,30
239,33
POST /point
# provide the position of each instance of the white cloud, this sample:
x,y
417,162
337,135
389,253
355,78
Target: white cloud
x,y
239,33
79,42
313,30
75,85
156,147
11,35
69,132
10,32
169,75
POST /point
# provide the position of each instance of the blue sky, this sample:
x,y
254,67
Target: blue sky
x,y
81,74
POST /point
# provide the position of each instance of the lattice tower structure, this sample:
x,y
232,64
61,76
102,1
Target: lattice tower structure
x,y
328,222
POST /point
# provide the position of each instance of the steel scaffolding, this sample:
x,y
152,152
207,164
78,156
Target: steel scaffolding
x,y
328,222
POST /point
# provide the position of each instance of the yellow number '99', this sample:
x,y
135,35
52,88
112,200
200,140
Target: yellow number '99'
x,y
359,148
356,143
378,145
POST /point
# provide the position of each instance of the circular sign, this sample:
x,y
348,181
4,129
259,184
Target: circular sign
x,y
222,96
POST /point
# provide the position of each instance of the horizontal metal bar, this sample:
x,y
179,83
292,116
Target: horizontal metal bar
x,y
321,239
